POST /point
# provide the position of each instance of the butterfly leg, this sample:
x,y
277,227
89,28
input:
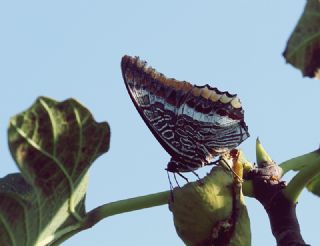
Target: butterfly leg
x,y
171,187
185,178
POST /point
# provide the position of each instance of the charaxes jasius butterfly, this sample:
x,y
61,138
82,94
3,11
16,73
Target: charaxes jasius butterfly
x,y
193,123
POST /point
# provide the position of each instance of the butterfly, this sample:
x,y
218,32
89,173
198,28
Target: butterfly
x,y
194,124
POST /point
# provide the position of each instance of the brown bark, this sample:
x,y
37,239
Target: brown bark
x,y
282,212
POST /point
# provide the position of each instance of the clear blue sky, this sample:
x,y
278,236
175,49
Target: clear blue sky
x,y
65,49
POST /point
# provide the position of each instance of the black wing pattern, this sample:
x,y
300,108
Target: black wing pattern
x,y
193,123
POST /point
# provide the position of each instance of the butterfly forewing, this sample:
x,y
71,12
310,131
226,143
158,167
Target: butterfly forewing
x,y
193,123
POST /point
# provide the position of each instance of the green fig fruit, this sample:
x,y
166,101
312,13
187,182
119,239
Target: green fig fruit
x,y
211,211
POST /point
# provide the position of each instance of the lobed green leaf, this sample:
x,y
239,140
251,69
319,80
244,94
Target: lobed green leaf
x,y
53,144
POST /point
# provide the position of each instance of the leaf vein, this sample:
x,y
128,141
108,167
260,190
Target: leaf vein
x,y
303,44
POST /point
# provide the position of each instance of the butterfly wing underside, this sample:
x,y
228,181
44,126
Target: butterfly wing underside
x,y
192,123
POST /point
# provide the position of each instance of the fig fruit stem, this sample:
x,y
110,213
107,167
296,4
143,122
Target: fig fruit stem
x,y
299,162
122,206
309,165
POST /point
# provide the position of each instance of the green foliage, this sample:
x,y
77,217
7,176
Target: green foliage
x,y
308,169
303,48
54,145
314,185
